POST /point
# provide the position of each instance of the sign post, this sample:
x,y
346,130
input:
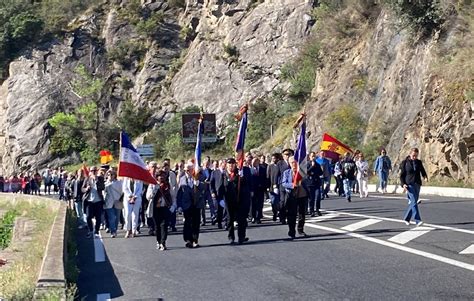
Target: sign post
x,y
146,150
190,127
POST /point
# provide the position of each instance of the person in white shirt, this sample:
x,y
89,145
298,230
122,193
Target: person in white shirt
x,y
362,175
132,201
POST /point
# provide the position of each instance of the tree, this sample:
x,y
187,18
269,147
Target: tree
x,y
346,124
133,120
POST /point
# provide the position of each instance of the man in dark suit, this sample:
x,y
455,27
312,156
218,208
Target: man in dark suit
x,y
218,190
274,178
258,186
205,177
237,198
191,200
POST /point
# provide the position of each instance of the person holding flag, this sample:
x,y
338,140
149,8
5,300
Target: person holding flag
x,y
292,181
135,172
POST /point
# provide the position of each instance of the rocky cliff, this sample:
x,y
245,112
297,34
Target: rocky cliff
x,y
219,54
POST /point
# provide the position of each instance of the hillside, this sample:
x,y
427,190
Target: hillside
x,y
373,73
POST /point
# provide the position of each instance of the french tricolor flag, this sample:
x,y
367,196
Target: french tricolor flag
x,y
131,165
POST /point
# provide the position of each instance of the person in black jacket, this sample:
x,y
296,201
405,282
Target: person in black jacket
x,y
274,178
411,171
217,191
237,198
348,174
313,183
258,188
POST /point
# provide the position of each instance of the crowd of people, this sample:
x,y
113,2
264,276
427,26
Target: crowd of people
x,y
235,196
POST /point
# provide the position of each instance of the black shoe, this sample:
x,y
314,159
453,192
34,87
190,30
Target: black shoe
x,y
258,221
189,245
173,229
274,218
349,199
241,241
291,235
203,224
253,221
313,214
231,240
301,233
283,222
326,196
219,226
213,222
151,232
319,213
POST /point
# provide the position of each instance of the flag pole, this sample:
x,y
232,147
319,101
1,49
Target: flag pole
x,y
120,152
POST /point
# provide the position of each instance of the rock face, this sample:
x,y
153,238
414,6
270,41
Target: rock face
x,y
233,52
391,81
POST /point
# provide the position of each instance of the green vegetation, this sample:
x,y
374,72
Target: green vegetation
x,y
230,50
301,73
6,228
25,22
133,120
126,52
146,22
346,123
18,281
422,17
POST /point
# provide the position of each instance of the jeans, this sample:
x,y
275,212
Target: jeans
x,y
112,219
325,186
413,193
275,199
314,197
80,213
383,179
348,187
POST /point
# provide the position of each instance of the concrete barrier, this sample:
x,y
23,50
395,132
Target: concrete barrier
x,y
51,279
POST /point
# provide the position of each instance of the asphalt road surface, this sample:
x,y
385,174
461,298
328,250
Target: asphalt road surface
x,y
355,251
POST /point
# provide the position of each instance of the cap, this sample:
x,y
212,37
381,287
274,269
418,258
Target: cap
x,y
288,152
231,161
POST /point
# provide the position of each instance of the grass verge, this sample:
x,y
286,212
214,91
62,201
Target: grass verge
x,y
18,280
6,228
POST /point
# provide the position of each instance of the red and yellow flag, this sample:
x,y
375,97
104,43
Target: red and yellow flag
x,y
105,156
331,144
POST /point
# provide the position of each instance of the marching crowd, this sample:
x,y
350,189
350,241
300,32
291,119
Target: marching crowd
x,y
235,196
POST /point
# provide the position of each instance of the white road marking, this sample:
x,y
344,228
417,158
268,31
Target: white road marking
x,y
401,221
468,250
443,259
99,251
103,297
322,218
361,224
409,235
392,197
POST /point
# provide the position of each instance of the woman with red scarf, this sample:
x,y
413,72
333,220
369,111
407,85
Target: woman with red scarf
x,y
160,208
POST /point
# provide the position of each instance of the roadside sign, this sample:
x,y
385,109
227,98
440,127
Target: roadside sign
x,y
190,126
146,150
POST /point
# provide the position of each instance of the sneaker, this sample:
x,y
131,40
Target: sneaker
x,y
158,246
419,223
113,235
419,201
188,244
163,247
196,244
128,234
107,230
407,223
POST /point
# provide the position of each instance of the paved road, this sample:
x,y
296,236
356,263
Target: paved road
x,y
355,251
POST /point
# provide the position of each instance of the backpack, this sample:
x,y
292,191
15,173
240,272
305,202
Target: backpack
x,y
349,169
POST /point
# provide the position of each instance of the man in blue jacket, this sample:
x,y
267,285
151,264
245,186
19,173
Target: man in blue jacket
x,y
383,166
296,200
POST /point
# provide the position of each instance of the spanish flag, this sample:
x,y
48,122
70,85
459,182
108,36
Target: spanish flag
x,y
333,147
105,156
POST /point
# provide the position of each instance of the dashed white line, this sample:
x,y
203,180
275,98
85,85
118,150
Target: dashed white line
x,y
409,235
361,224
468,250
401,221
439,258
99,251
103,297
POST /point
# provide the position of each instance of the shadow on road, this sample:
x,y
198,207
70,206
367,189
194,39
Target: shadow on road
x,y
94,277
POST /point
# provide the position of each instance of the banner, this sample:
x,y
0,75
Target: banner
x,y
300,155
